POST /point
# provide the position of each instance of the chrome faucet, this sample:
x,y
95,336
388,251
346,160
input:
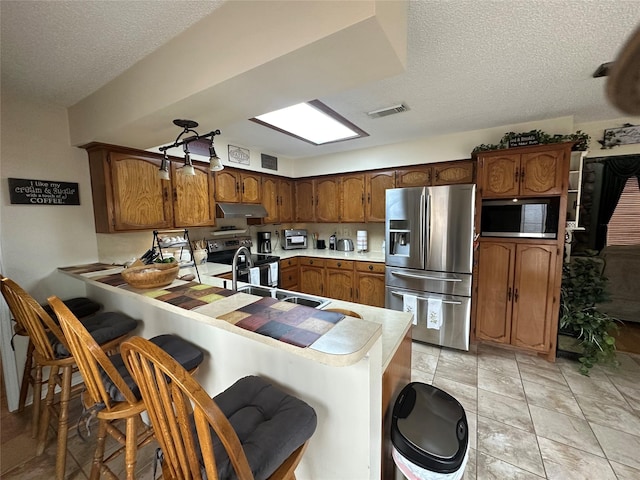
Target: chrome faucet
x,y
234,278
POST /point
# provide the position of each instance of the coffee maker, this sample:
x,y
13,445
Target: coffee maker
x,y
264,242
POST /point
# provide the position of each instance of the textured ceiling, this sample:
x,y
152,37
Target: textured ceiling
x,y
471,64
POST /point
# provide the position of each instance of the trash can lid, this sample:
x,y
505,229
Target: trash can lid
x,y
429,428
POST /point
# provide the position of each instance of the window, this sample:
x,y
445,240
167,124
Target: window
x,y
624,226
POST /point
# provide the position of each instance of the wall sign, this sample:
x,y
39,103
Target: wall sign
x,y
269,161
43,192
625,135
239,155
524,140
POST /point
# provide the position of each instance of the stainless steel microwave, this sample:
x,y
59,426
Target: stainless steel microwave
x,y
522,218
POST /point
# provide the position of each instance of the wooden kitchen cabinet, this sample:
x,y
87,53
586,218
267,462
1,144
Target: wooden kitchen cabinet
x,y
305,200
312,277
234,186
515,293
521,172
352,198
376,185
193,195
286,200
270,199
414,176
369,283
327,204
450,173
128,195
339,279
289,274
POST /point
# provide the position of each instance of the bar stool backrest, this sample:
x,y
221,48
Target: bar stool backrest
x,y
91,359
173,397
33,318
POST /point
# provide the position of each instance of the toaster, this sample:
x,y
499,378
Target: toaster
x,y
345,245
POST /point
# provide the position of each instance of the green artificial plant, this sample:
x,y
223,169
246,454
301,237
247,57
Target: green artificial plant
x,y
583,287
580,138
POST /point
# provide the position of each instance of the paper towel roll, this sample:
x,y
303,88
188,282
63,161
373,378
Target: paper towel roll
x,y
361,241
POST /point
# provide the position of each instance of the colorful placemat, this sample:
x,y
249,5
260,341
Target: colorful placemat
x,y
114,279
88,268
188,295
288,322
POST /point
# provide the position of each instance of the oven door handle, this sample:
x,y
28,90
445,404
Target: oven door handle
x,y
425,277
448,302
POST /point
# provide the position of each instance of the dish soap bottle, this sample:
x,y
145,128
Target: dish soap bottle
x,y
332,242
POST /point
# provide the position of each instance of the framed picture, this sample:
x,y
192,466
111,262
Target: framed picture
x,y
625,135
239,155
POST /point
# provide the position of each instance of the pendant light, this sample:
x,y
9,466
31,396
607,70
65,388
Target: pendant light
x,y
188,126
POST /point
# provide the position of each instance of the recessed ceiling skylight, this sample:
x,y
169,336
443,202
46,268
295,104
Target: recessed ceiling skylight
x,y
312,122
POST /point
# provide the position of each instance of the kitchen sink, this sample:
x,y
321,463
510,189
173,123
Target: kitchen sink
x,y
255,290
286,296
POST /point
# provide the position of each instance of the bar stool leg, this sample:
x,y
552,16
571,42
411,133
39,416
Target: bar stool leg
x,y
131,447
63,422
26,377
45,415
37,402
98,455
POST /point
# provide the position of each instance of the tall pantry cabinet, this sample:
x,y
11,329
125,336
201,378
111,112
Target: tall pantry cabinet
x,y
517,279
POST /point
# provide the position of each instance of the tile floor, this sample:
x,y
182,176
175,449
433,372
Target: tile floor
x,y
528,419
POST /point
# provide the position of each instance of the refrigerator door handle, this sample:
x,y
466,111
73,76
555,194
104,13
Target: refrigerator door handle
x,y
423,228
448,302
425,277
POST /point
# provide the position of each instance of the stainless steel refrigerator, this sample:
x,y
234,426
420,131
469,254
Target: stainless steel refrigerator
x,y
429,259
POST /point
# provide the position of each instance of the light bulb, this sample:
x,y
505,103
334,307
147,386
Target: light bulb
x,y
215,164
163,174
188,170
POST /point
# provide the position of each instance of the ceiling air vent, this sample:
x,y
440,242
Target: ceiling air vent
x,y
383,112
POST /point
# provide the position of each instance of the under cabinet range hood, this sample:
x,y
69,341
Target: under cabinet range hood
x,y
240,210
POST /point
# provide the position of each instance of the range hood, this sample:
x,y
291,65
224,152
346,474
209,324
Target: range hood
x,y
240,210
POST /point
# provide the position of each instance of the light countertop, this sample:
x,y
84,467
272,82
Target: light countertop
x,y
345,344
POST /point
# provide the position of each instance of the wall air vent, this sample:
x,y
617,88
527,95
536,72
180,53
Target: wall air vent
x,y
383,112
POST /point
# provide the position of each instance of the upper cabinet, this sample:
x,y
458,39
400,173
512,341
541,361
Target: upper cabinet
x,y
449,173
277,199
234,186
193,204
524,172
128,194
327,203
352,198
376,184
305,200
415,176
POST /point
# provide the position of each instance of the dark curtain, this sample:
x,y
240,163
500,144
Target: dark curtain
x,y
615,174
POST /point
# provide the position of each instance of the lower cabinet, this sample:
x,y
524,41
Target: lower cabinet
x,y
516,294
312,276
289,274
339,279
348,280
369,283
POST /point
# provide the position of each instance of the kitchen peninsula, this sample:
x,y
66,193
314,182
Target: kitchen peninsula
x,y
349,375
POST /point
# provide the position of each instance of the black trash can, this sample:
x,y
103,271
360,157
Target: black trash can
x,y
429,433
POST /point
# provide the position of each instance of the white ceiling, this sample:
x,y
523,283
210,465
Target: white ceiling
x,y
471,64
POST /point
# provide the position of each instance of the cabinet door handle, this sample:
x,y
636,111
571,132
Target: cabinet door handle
x,y
368,198
237,187
522,175
437,175
517,175
515,295
310,262
351,292
166,194
362,199
243,188
509,294
175,195
357,294
370,267
339,264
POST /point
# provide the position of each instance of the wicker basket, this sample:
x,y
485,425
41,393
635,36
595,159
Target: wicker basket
x,y
151,276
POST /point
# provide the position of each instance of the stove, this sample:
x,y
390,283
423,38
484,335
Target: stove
x,y
222,250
